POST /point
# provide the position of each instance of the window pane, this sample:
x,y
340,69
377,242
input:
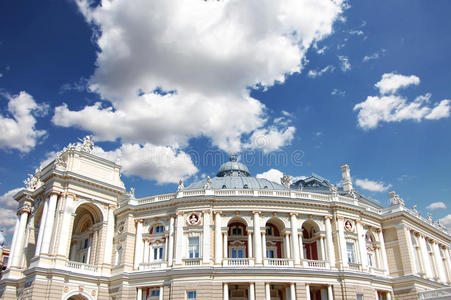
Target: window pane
x,y
191,295
155,253
350,250
193,247
161,253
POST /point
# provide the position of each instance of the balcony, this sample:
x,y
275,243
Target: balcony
x,y
278,262
377,271
238,262
317,264
81,267
354,266
157,265
192,261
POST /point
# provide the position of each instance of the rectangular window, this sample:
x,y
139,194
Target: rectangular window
x,y
193,247
155,253
351,253
359,297
155,293
191,295
86,244
161,252
158,253
270,253
370,260
237,253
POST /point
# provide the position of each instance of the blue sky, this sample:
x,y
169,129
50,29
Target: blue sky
x,y
164,86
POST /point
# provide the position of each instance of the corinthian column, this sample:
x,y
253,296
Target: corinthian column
x,y
19,245
171,241
257,238
206,238
139,245
295,239
65,227
218,238
50,218
330,243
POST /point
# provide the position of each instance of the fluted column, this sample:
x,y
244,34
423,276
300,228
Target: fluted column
x,y
226,291
225,244
426,261
146,258
383,251
448,265
412,250
287,246
307,292
50,218
13,242
109,237
294,238
65,228
218,238
42,226
252,291
342,243
257,238
330,293
139,294
362,245
264,245
439,262
161,296
179,239
171,241
292,291
267,291
323,246
330,242
206,238
139,246
20,240
249,245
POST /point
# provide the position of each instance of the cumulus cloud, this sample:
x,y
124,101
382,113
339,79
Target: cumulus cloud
x,y
436,205
207,53
8,220
273,175
392,82
18,130
390,107
317,73
7,200
345,63
373,186
271,139
447,222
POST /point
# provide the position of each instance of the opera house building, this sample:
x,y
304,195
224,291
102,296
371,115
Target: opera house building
x,y
80,234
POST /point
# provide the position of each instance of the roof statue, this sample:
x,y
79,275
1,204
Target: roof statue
x,y
286,180
395,199
87,144
207,185
181,186
33,181
2,239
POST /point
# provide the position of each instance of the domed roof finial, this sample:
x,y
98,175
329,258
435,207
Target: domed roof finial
x,y
233,157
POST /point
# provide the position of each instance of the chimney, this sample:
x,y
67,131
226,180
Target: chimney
x,y
346,175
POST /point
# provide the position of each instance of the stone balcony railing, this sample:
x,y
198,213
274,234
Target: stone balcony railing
x,y
192,261
81,267
354,266
278,262
238,262
157,265
317,264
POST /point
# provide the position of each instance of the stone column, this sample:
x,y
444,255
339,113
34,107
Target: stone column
x,y
146,258
439,262
264,245
138,244
179,239
323,250
161,293
330,293
292,291
249,245
362,245
448,265
307,291
252,291
171,241
412,251
13,242
107,259
20,239
218,238
330,242
257,238
342,242
226,291
294,238
139,294
388,296
225,245
287,246
65,228
41,227
267,291
301,247
383,251
50,218
426,261
206,238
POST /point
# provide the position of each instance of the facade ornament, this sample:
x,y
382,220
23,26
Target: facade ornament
x,y
395,199
181,187
333,189
352,194
132,192
429,217
33,182
59,161
415,211
87,144
207,185
286,180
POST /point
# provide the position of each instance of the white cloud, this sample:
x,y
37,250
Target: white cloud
x,y
447,222
321,50
317,73
8,220
271,139
345,63
7,200
338,92
394,108
18,131
273,175
356,32
392,82
373,56
373,186
436,205
208,52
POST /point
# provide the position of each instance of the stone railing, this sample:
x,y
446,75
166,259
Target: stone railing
x,y
75,265
377,271
192,261
238,262
317,264
278,262
444,293
157,265
354,266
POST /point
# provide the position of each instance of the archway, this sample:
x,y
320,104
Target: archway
x,y
274,242
311,241
86,234
236,240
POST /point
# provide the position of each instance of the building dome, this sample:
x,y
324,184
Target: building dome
x,y
233,168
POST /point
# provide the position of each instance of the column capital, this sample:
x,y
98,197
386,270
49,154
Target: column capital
x,y
52,192
294,214
206,211
217,212
24,209
379,230
72,195
179,213
256,212
327,218
139,221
